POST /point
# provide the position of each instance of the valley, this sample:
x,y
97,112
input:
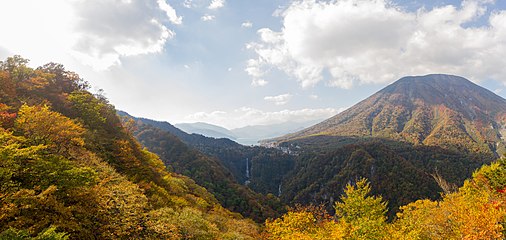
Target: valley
x,y
248,135
253,120
418,139
373,140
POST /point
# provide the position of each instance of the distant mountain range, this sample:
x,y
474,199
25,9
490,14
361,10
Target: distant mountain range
x,y
249,135
206,129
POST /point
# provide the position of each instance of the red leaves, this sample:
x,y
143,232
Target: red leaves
x,y
6,118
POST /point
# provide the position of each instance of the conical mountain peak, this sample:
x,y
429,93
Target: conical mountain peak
x,y
434,109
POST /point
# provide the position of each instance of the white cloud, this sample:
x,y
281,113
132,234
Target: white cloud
x,y
215,4
204,115
247,24
313,96
254,69
170,11
106,32
96,33
259,82
279,99
207,17
188,3
372,41
250,116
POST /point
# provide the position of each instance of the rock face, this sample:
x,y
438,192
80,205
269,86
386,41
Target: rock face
x,y
433,110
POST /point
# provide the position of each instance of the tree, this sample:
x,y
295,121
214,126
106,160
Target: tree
x,y
48,234
292,225
43,126
363,215
16,67
7,87
6,117
88,108
476,211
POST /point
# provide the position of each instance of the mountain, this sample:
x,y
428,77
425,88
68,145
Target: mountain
x,y
433,110
207,130
402,138
207,171
251,135
69,169
262,169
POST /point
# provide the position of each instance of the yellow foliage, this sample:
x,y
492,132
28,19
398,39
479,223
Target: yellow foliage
x,y
293,225
43,126
476,211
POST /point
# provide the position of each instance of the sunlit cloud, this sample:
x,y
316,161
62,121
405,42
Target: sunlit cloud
x,y
350,42
207,18
97,34
247,24
188,3
215,4
170,11
279,100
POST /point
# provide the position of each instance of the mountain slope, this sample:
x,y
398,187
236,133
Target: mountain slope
x,y
263,168
399,171
205,170
67,165
401,138
206,129
251,135
433,110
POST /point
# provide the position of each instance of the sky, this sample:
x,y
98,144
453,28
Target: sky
x,y
248,62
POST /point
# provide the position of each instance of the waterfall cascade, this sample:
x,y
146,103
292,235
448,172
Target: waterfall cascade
x,y
247,172
247,168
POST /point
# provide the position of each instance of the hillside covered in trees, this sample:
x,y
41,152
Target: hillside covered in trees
x,y
69,169
207,171
401,138
476,211
266,166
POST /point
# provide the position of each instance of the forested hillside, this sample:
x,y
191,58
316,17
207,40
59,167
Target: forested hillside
x,y
402,138
401,172
206,171
69,169
475,211
263,168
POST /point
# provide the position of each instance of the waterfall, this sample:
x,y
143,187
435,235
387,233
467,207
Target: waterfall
x,y
247,172
279,190
247,168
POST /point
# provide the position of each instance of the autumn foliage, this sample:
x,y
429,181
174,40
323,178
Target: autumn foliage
x,y
69,170
476,211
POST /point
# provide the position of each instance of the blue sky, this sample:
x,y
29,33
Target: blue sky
x,y
245,62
